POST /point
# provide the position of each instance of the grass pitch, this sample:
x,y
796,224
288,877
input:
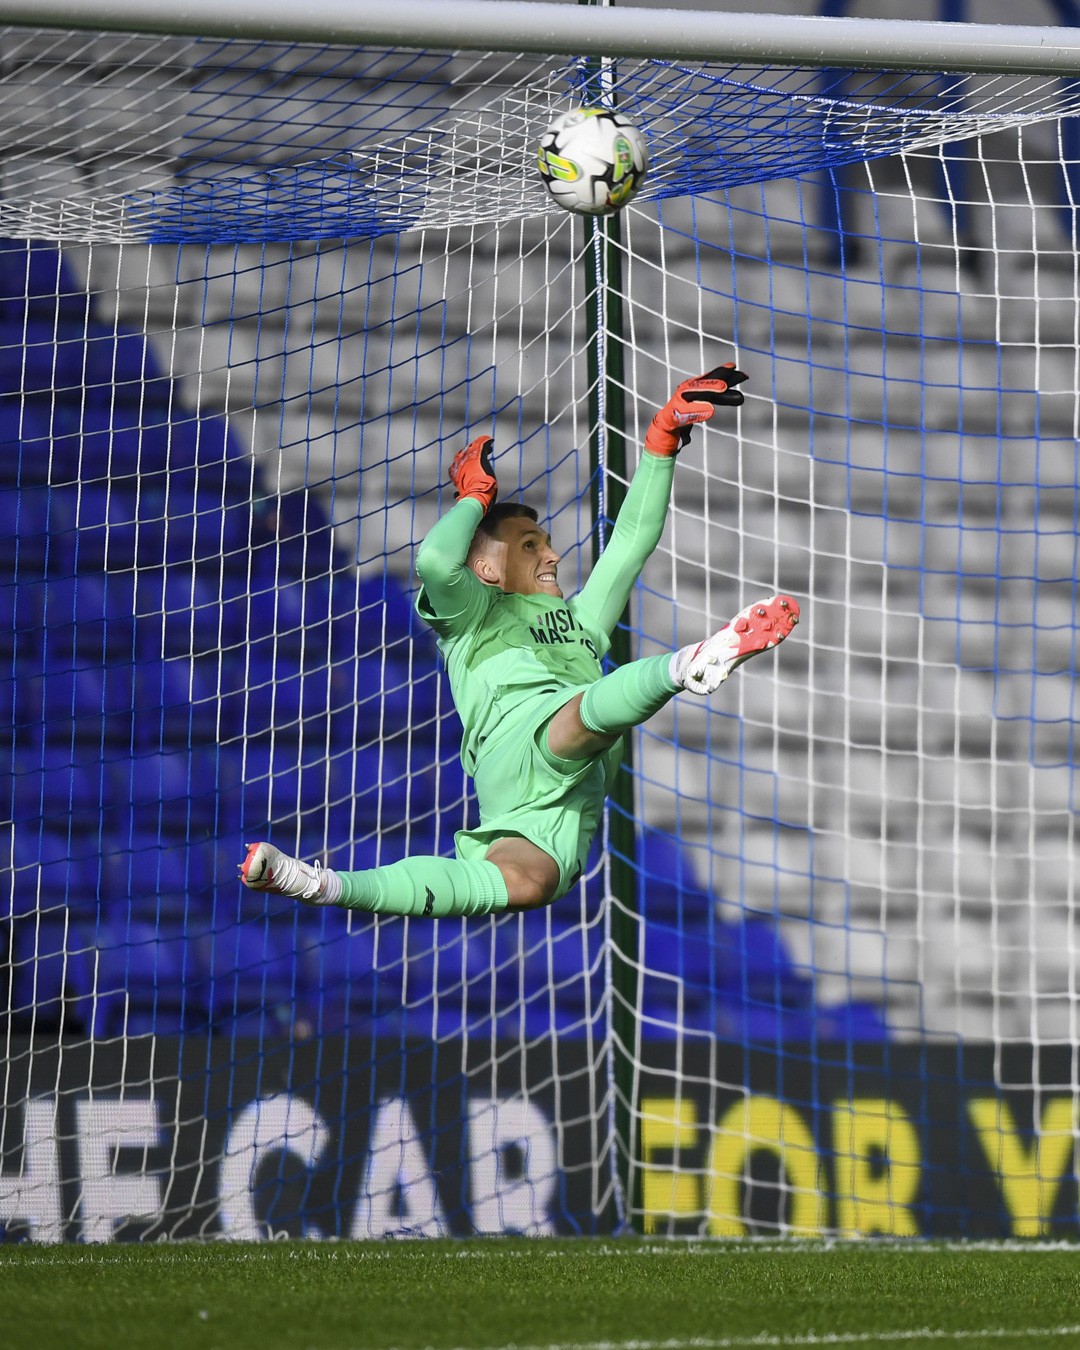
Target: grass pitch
x,y
604,1295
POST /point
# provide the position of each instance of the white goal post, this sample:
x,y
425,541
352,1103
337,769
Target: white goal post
x,y
589,30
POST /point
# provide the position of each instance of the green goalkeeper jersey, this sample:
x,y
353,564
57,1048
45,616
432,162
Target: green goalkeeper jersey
x,y
509,655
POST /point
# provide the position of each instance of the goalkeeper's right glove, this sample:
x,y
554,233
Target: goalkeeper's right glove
x,y
472,475
693,401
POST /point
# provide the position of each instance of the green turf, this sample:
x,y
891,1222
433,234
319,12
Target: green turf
x,y
625,1295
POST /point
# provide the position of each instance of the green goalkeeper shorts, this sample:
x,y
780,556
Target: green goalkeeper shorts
x,y
556,806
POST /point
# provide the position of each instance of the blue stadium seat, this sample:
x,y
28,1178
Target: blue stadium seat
x,y
266,789
449,960
26,447
47,879
168,793
753,1024
91,530
291,534
752,962
180,612
20,621
293,615
119,444
255,985
205,463
383,614
277,698
668,884
88,706
54,985
380,787
50,361
176,703
88,619
563,957
27,525
181,528
855,1021
359,973
48,786
141,874
36,279
152,975
121,369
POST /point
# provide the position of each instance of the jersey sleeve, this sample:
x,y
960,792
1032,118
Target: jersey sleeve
x,y
451,596
637,532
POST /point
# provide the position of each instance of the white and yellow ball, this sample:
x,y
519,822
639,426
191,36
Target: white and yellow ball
x,y
593,160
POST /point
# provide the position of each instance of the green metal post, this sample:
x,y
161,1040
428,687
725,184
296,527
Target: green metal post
x,y
608,462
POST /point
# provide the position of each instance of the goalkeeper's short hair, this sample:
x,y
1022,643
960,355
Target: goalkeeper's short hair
x,y
489,527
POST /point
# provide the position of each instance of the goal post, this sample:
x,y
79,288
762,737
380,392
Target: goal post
x,y
261,275
595,31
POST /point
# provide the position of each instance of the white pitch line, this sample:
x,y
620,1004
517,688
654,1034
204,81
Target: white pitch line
x,y
768,1341
333,1249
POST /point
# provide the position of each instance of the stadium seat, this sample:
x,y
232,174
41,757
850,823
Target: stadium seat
x,y
54,985
89,619
854,1021
357,973
451,962
140,874
87,707
26,447
168,793
179,612
292,533
150,972
91,530
121,369
266,788
255,986
753,963
563,958
36,279
176,702
47,880
51,361
27,528
20,621
47,786
118,443
668,884
281,699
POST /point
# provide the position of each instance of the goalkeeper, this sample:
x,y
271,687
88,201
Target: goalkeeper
x,y
543,726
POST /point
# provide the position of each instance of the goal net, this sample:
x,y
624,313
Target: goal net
x,y
820,975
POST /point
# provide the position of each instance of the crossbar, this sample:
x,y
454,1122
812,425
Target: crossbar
x,y
585,30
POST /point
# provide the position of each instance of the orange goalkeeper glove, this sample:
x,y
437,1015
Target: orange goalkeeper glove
x,y
693,401
472,475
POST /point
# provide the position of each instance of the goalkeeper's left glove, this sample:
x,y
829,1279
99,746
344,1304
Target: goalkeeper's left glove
x,y
693,401
472,475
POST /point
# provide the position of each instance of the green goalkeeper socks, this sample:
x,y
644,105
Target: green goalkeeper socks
x,y
628,696
431,887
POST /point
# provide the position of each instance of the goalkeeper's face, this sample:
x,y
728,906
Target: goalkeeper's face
x,y
524,559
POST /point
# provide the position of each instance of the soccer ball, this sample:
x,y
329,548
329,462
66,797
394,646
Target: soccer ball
x,y
593,160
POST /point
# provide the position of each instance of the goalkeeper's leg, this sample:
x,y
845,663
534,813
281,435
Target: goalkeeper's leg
x,y
631,695
515,872
426,886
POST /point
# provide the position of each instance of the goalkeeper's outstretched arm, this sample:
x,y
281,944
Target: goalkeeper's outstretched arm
x,y
450,588
641,518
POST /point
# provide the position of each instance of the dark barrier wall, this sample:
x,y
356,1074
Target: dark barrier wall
x,y
909,1140
345,1138
339,1137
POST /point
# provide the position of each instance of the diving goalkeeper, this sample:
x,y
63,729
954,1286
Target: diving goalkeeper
x,y
543,726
